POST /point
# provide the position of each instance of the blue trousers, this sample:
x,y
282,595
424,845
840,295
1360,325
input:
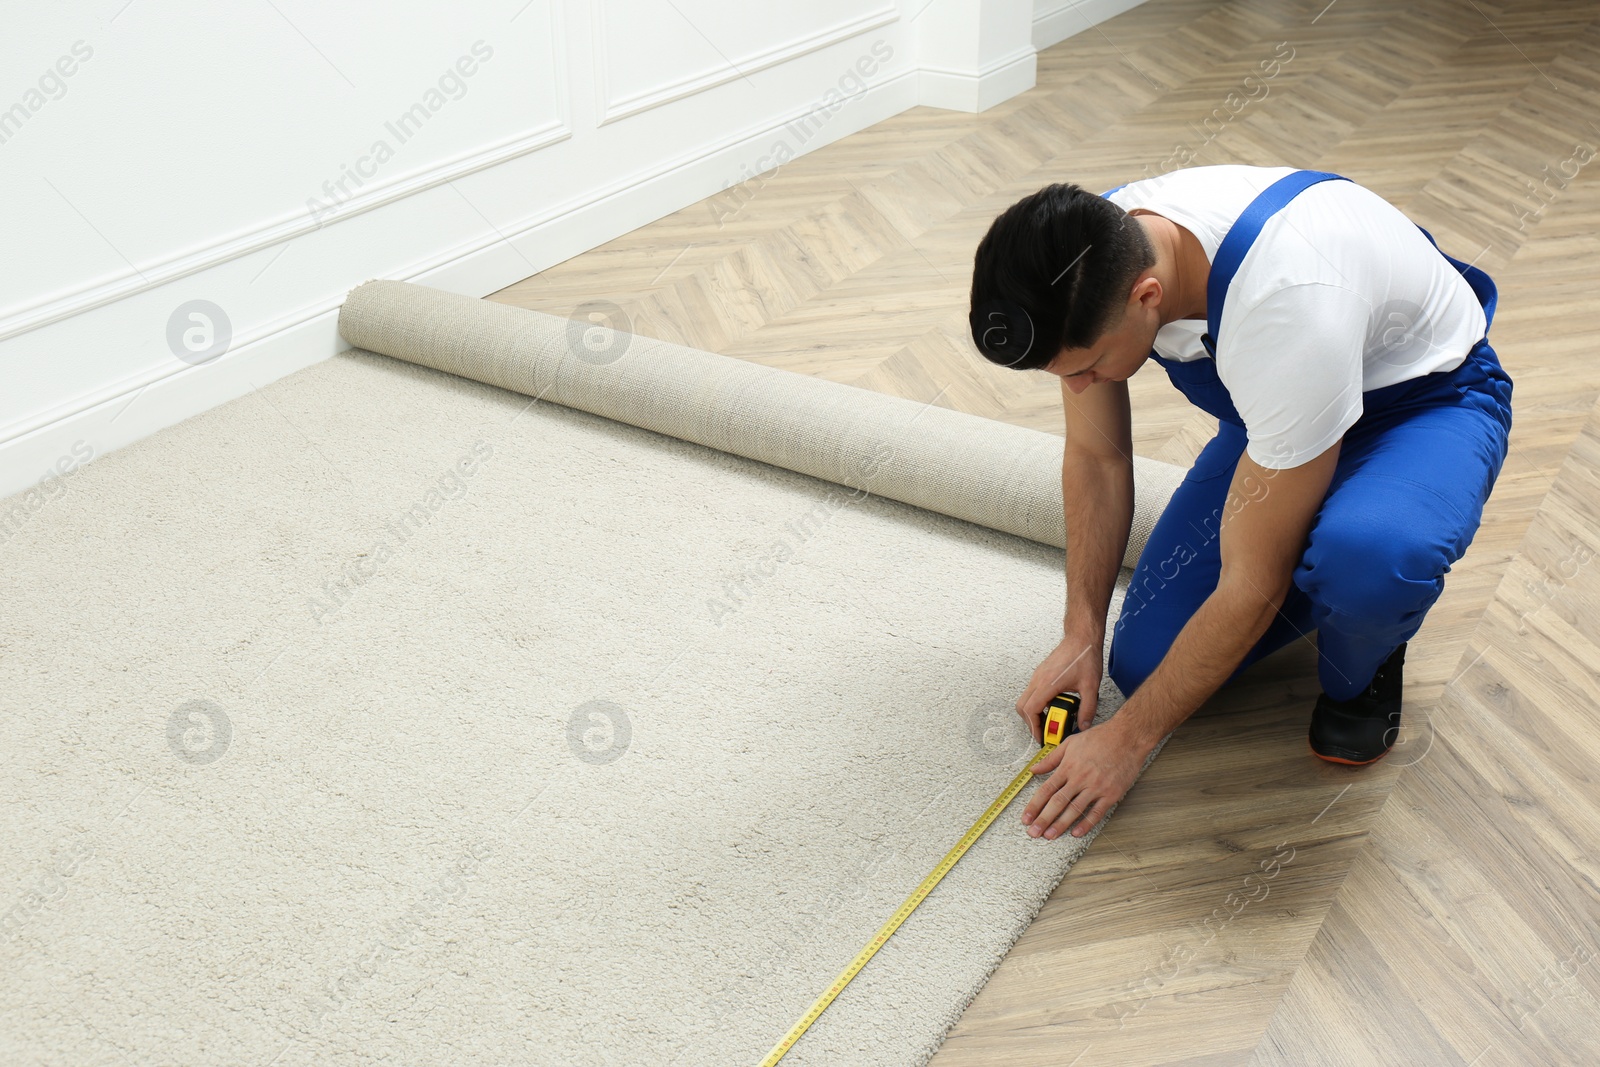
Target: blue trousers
x,y
1406,498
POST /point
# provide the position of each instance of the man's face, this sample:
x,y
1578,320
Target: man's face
x,y
1120,351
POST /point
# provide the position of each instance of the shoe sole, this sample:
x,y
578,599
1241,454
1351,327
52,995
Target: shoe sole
x,y
1347,762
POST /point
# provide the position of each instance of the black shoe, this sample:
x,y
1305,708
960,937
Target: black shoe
x,y
1363,729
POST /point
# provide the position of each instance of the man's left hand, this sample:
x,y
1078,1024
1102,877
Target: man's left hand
x,y
1089,772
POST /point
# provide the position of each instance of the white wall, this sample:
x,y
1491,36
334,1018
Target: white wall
x,y
192,188
1056,20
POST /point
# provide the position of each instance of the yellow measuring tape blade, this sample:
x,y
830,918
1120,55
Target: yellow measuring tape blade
x,y
1059,722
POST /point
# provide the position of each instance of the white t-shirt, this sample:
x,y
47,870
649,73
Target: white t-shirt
x,y
1340,294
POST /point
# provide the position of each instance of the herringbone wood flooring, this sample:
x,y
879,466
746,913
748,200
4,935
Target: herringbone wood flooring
x,y
1423,910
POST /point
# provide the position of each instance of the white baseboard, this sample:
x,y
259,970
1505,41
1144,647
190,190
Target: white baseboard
x,y
1074,17
476,266
957,91
34,460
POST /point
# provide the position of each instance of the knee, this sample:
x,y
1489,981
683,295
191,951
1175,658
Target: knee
x,y
1136,649
1373,572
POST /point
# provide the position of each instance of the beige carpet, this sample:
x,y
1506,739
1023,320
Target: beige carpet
x,y
383,716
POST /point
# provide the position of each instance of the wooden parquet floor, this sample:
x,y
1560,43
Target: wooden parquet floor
x,y
1441,906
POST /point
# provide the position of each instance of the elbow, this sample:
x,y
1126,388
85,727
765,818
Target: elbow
x,y
1257,596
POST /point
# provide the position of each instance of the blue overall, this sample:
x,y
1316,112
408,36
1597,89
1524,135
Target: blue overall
x,y
1406,498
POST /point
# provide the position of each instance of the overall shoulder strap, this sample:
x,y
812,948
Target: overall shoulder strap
x,y
1242,234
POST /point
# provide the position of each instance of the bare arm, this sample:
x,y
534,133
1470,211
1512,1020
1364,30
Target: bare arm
x,y
1269,516
1097,498
1267,520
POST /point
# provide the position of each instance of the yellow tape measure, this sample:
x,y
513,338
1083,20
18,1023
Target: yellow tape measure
x,y
1061,719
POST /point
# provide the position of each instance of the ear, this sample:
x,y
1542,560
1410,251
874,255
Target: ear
x,y
1147,291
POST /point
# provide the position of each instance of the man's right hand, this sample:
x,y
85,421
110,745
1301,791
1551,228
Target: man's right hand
x,y
1075,666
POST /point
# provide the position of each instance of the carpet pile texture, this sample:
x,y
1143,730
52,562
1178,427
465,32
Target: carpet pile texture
x,y
386,715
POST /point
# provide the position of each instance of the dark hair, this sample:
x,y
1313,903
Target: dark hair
x,y
1053,272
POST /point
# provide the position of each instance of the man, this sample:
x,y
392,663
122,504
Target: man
x,y
1362,421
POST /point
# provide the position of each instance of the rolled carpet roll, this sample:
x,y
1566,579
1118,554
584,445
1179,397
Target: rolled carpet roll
x,y
981,470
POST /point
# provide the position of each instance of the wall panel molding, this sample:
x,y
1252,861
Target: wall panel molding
x,y
636,103
132,408
95,363
151,276
140,278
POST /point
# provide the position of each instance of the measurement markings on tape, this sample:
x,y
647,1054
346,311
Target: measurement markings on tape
x,y
1060,720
